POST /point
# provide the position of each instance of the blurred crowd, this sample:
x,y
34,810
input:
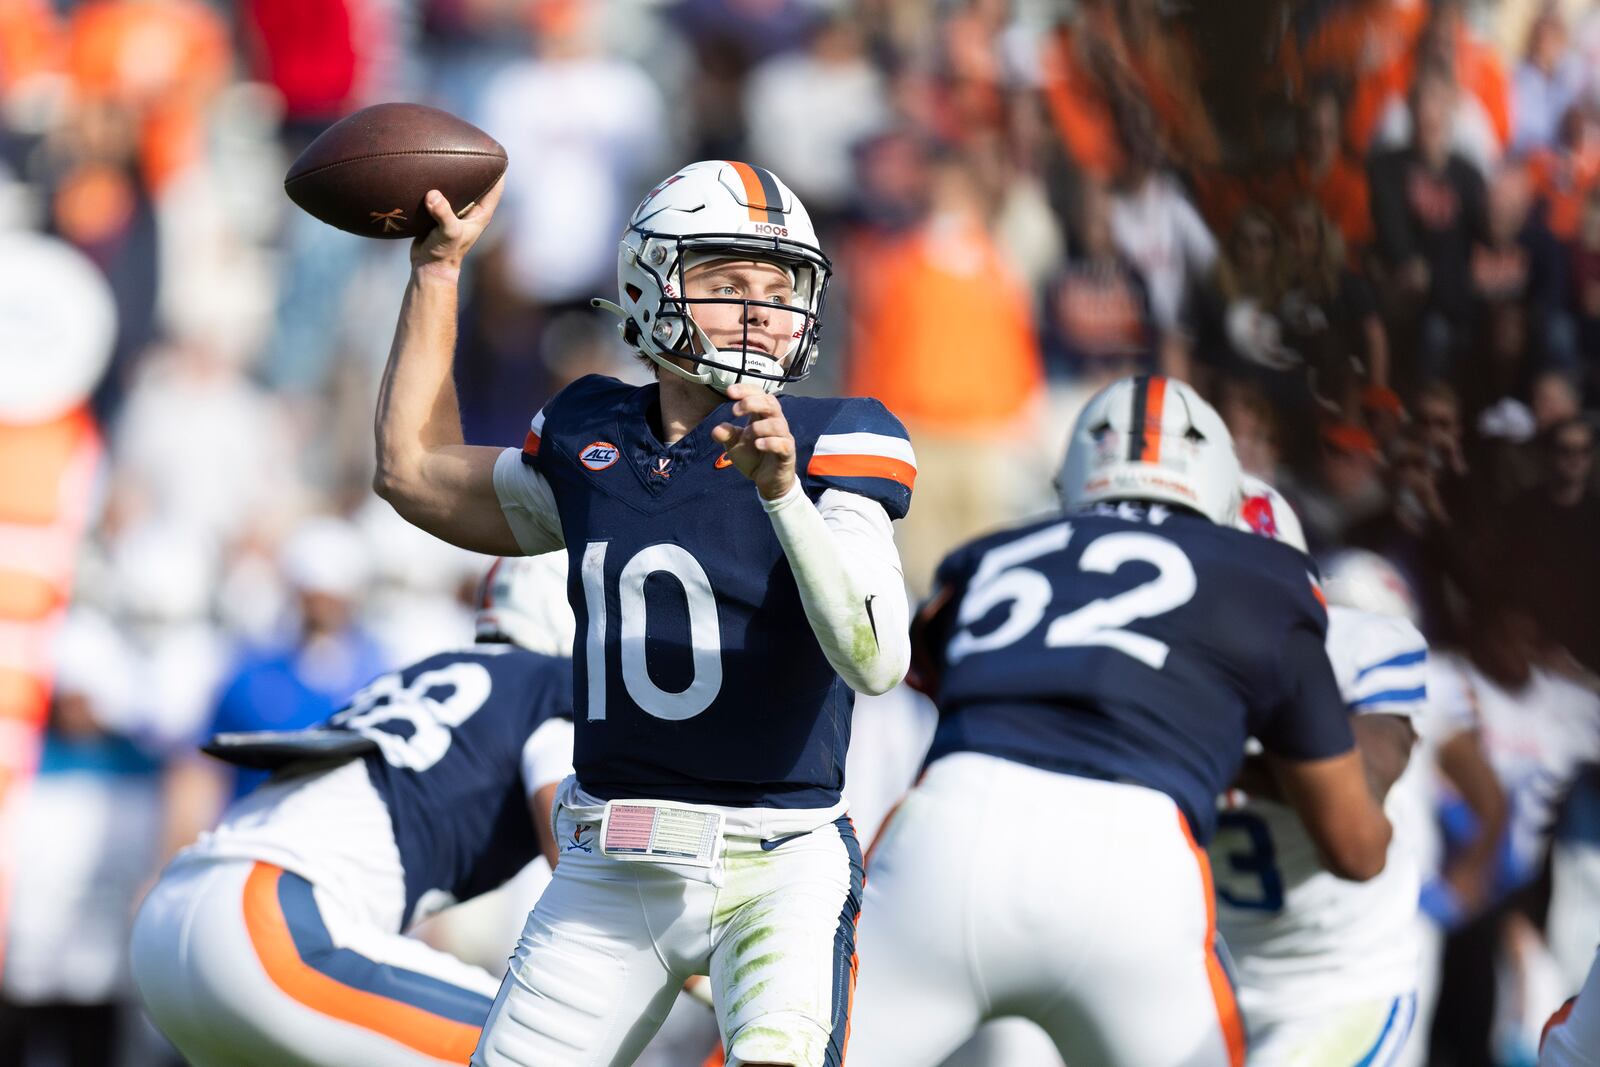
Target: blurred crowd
x,y
1369,230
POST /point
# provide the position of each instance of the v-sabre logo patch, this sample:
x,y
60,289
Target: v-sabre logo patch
x,y
723,461
598,456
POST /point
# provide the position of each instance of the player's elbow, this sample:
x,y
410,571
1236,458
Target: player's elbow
x,y
1360,853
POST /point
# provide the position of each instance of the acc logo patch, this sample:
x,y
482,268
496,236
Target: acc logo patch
x,y
598,456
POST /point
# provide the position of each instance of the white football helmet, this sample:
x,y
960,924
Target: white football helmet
x,y
1365,580
717,209
524,601
1151,438
1264,511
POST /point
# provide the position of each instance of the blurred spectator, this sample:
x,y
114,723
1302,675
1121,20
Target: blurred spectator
x,y
1586,295
85,843
1477,123
805,110
1516,262
1418,534
1103,328
165,88
584,130
1427,210
325,58
310,673
1546,83
1325,169
1551,567
1568,172
1160,232
1344,486
944,336
193,424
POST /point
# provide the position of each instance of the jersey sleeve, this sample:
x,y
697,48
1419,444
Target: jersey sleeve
x,y
1391,676
547,755
526,499
864,450
1309,721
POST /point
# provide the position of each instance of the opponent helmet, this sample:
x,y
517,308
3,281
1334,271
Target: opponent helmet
x,y
1359,579
524,601
1264,511
717,209
1151,438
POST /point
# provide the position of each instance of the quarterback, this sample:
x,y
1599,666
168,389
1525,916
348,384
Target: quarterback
x,y
734,577
1327,968
1097,674
278,939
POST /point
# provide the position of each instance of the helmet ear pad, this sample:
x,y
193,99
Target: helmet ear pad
x,y
1151,438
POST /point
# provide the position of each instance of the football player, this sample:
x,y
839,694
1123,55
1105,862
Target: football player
x,y
277,939
1326,968
734,576
1097,674
1572,1036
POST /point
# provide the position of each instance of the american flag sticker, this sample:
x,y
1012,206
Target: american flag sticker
x,y
669,833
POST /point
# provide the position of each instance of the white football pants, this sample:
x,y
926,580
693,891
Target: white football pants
x,y
610,943
1000,889
243,964
1367,1033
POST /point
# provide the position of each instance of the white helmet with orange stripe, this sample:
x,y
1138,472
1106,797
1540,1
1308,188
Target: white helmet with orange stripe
x,y
712,211
1151,438
524,601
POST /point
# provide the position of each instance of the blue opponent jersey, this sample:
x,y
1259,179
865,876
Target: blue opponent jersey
x,y
696,675
1141,645
450,731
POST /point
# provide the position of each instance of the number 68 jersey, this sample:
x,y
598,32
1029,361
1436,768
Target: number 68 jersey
x,y
1130,644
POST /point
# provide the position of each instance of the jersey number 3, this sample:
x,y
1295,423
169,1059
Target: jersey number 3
x,y
705,632
1001,578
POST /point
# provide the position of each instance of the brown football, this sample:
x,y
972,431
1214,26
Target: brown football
x,y
368,173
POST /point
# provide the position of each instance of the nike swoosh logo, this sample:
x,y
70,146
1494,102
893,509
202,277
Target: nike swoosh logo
x,y
768,846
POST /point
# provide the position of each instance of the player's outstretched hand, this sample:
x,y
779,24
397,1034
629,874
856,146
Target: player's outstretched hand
x,y
448,243
763,448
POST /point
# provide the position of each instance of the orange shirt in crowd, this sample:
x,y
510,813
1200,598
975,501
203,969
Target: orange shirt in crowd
x,y
165,61
1478,71
944,331
1079,110
1342,192
1355,41
1564,181
30,41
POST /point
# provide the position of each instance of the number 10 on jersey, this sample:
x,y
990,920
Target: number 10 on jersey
x,y
628,633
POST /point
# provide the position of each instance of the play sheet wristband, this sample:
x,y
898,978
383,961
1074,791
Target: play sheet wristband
x,y
660,832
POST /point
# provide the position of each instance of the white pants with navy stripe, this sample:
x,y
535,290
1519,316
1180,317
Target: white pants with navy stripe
x,y
611,942
243,964
999,889
1367,1033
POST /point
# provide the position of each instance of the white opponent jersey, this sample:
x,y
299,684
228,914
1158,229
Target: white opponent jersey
x,y
1302,939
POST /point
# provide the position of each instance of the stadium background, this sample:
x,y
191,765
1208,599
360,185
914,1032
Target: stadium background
x,y
1024,200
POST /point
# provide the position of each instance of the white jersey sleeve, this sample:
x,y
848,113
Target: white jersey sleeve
x,y
547,755
1380,661
848,572
528,504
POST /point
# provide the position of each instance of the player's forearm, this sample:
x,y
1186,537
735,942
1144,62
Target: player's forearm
x,y
853,596
417,408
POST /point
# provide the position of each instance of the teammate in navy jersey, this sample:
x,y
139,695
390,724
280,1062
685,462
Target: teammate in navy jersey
x,y
1097,674
723,625
278,937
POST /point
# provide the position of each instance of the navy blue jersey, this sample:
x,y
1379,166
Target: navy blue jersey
x,y
1138,647
450,731
696,674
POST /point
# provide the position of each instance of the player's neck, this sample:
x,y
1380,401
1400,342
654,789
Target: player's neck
x,y
684,405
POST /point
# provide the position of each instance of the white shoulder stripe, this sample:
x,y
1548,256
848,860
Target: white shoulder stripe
x,y
865,444
537,425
